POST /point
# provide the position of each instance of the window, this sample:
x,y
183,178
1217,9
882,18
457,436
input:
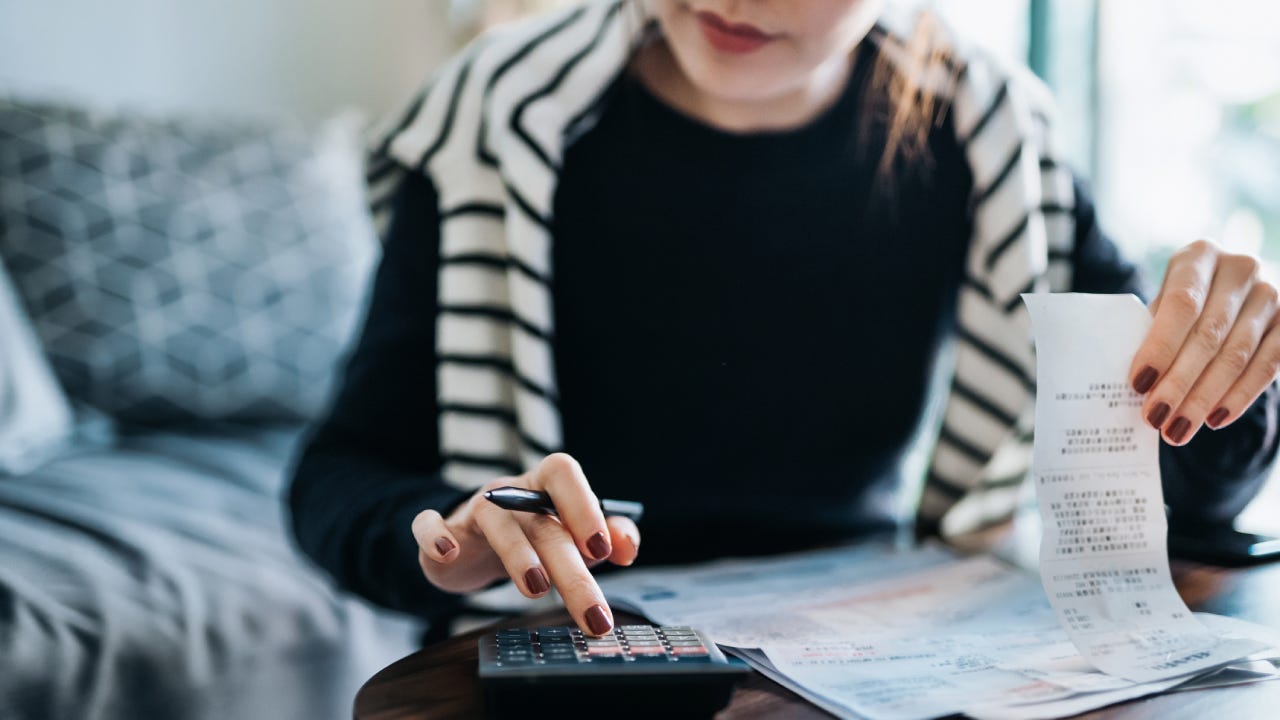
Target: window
x,y
1189,125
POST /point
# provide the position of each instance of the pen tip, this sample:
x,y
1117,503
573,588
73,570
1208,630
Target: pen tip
x,y
488,494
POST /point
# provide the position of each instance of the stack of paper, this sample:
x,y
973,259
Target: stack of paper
x,y
870,632
877,633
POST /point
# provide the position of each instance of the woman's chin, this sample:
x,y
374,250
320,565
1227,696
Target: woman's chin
x,y
736,85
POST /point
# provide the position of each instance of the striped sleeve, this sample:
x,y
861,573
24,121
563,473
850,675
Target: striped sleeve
x,y
1022,229
489,133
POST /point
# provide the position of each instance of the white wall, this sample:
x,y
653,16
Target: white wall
x,y
298,58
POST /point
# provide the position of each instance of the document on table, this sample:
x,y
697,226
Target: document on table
x,y
1096,470
873,632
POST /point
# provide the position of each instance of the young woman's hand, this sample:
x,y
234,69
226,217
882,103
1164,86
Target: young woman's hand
x,y
480,542
1213,345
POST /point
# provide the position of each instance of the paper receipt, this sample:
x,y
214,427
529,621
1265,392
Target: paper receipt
x,y
1103,557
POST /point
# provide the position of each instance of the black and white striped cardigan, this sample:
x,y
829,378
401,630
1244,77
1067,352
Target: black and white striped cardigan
x,y
490,131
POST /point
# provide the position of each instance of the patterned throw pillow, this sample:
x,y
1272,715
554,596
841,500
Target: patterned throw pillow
x,y
178,272
35,418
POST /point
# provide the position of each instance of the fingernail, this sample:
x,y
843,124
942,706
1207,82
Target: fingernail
x,y
635,548
536,580
1159,414
1178,429
444,545
1145,379
1217,416
597,620
598,546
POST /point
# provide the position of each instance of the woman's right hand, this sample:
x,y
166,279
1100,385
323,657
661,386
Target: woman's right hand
x,y
480,543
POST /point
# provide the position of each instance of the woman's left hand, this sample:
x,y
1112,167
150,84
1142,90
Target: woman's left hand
x,y
1213,346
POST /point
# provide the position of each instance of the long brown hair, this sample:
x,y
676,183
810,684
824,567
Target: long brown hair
x,y
912,84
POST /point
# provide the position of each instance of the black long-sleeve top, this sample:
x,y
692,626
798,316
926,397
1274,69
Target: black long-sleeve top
x,y
745,330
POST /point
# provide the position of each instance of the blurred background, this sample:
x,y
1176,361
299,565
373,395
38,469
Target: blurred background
x,y
183,218
1169,108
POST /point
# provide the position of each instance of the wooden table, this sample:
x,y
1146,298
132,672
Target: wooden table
x,y
440,681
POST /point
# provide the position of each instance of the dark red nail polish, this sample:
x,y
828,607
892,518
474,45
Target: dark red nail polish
x,y
1178,429
444,545
597,620
1159,414
598,546
536,580
1217,416
1145,379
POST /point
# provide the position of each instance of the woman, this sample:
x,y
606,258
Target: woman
x,y
764,218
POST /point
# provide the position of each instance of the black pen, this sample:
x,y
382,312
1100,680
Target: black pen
x,y
514,498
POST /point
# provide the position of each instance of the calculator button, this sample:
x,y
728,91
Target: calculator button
x,y
637,627
553,632
686,650
648,650
560,659
605,652
651,658
685,643
608,658
642,643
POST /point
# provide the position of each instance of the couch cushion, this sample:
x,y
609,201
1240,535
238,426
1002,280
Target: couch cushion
x,y
180,271
157,579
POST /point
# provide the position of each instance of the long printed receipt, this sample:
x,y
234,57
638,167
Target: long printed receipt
x,y
1103,557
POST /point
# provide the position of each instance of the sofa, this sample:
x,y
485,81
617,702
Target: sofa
x,y
176,298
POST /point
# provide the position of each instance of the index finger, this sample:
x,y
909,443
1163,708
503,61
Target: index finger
x,y
578,507
1177,307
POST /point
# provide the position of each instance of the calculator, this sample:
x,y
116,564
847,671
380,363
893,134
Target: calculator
x,y
636,669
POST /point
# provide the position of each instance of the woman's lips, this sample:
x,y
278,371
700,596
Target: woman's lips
x,y
730,37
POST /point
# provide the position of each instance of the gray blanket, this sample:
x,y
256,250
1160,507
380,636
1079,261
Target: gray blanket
x,y
155,579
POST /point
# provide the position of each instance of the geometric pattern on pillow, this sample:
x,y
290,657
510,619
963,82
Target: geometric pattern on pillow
x,y
178,271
